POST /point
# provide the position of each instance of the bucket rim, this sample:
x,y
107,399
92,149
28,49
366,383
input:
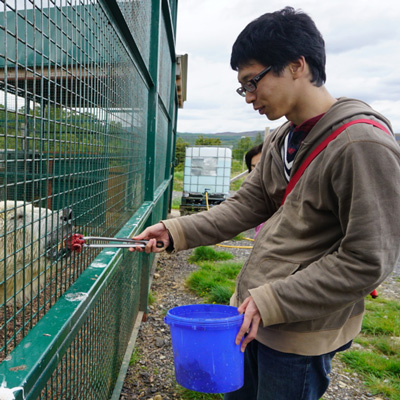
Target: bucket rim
x,y
229,319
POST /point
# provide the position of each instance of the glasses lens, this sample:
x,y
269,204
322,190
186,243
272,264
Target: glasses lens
x,y
241,91
250,87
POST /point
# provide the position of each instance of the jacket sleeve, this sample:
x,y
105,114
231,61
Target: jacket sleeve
x,y
364,191
247,208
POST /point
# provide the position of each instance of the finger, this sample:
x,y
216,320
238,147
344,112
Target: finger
x,y
150,246
142,236
243,330
136,248
251,335
243,306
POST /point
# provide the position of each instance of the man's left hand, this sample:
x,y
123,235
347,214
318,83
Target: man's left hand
x,y
251,322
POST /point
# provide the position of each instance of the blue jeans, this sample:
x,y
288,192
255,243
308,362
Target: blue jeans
x,y
272,375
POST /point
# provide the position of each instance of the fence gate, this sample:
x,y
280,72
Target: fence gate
x,y
88,106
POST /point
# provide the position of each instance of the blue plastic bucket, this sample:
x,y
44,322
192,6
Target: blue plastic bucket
x,y
206,357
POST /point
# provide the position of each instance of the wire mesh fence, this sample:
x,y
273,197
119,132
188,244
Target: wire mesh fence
x,y
78,81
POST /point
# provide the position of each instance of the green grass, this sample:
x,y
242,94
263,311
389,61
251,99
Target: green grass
x,y
135,357
236,169
185,394
236,185
178,181
207,253
378,361
215,279
239,237
382,317
151,298
176,203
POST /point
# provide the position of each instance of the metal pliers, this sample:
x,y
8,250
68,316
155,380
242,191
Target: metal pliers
x,y
77,241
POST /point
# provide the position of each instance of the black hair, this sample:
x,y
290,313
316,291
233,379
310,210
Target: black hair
x,y
251,153
279,38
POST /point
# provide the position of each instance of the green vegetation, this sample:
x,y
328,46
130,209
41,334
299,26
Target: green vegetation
x,y
227,138
378,361
66,131
207,141
237,168
215,280
242,147
236,185
151,298
176,203
206,253
178,181
180,148
135,357
191,395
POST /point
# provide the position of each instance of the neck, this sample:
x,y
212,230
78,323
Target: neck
x,y
312,102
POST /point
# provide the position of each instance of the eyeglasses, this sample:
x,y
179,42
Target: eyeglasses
x,y
251,85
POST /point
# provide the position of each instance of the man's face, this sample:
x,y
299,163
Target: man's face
x,y
275,96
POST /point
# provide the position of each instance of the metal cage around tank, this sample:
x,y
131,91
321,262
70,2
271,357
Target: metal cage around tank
x,y
88,109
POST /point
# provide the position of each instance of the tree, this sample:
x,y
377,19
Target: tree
x,y
243,146
207,141
258,139
180,149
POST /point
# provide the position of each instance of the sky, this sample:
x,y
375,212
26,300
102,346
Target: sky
x,y
362,40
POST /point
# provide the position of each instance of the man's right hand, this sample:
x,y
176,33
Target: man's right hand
x,y
153,234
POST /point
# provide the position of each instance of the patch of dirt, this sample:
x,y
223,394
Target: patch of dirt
x,y
152,375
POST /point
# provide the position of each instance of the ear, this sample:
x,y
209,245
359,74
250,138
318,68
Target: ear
x,y
298,68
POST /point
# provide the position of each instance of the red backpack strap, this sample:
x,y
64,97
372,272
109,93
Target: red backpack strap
x,y
321,147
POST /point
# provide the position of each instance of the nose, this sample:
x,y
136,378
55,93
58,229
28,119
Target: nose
x,y
67,215
250,97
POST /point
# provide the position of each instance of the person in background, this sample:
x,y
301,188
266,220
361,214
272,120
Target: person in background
x,y
329,238
252,157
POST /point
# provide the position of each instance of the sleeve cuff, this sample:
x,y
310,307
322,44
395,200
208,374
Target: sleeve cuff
x,y
268,305
176,234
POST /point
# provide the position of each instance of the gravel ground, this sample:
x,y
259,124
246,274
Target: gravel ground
x,y
152,376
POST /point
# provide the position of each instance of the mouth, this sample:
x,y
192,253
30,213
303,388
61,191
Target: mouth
x,y
56,254
261,110
57,248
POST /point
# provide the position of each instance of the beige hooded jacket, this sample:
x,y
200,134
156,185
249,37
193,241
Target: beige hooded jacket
x,y
335,239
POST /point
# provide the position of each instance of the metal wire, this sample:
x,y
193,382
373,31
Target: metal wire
x,y
74,126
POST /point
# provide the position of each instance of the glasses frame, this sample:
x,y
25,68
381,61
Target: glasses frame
x,y
251,85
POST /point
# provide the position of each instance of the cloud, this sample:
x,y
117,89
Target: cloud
x,y
362,41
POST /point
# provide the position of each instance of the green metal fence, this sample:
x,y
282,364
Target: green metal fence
x,y
88,107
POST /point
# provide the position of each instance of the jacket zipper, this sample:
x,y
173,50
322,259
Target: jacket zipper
x,y
277,160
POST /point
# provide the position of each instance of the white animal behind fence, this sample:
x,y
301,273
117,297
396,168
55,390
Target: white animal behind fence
x,y
30,239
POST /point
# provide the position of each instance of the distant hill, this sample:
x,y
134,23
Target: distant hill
x,y
231,138
227,138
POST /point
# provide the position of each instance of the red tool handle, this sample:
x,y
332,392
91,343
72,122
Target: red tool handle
x,y
75,242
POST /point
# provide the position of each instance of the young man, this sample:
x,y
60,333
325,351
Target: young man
x,y
328,242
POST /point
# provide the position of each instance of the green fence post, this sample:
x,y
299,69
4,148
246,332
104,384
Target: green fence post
x,y
151,137
170,15
153,99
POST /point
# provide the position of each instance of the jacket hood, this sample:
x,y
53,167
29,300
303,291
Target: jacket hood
x,y
343,111
346,109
